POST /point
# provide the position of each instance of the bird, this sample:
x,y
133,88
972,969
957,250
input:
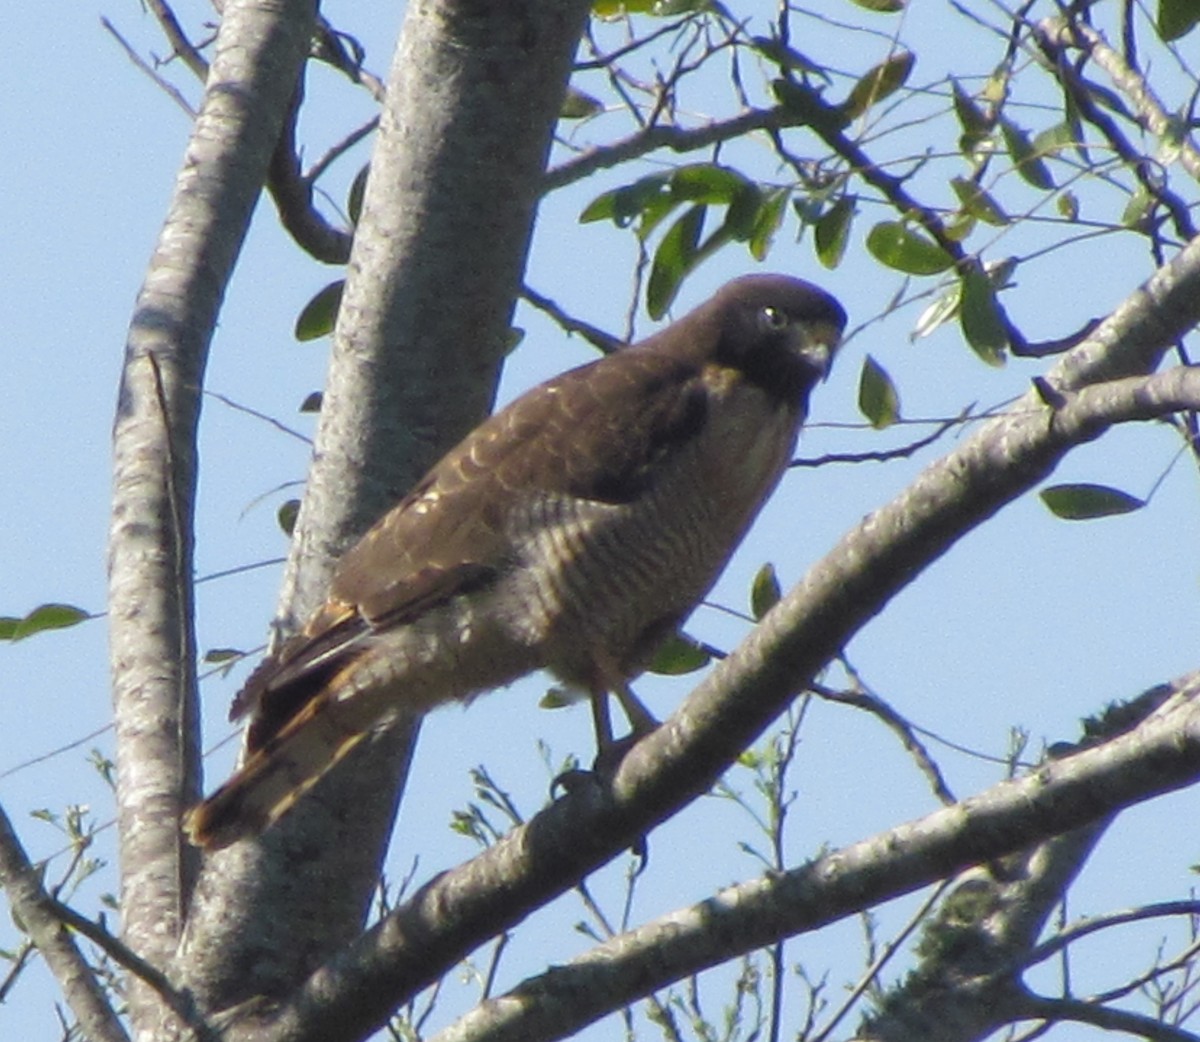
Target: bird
x,y
574,531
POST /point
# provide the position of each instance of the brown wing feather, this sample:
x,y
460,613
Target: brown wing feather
x,y
597,432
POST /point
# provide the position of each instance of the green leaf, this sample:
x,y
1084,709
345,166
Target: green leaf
x,y
286,515
787,58
881,6
767,222
42,618
312,402
558,697
1055,139
979,315
973,120
1083,502
742,216
1176,18
944,308
708,183
1137,207
977,202
677,655
765,591
513,338
354,198
898,246
319,314
1068,206
673,259
578,104
224,658
878,83
975,141
878,399
832,231
646,197
1025,158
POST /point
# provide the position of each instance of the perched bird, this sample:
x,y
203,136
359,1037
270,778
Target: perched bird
x,y
574,530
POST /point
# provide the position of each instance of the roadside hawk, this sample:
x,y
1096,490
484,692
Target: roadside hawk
x,y
573,531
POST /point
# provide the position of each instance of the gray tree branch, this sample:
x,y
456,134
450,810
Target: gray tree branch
x,y
33,909
260,48
751,915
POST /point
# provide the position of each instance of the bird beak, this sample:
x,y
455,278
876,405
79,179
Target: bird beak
x,y
817,345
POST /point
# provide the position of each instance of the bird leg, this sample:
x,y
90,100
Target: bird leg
x,y
601,719
609,750
641,720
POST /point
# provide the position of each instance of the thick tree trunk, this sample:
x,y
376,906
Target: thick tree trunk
x,y
473,98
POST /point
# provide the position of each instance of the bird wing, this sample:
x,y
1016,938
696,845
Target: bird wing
x,y
595,433
598,433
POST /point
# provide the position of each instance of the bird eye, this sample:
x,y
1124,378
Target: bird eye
x,y
772,319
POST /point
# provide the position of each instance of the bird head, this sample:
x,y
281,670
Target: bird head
x,y
779,331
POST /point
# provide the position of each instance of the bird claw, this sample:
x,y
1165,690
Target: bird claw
x,y
604,766
572,781
610,755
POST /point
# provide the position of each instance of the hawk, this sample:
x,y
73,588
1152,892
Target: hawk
x,y
573,531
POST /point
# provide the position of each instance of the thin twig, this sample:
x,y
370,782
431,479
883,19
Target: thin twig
x,y
179,1002
181,46
883,455
877,965
171,90
36,911
863,699
602,341
279,425
1072,933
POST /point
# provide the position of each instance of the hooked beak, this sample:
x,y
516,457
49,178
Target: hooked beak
x,y
817,344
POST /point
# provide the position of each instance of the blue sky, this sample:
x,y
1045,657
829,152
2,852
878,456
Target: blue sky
x,y
1030,622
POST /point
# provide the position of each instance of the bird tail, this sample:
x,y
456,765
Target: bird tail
x,y
286,766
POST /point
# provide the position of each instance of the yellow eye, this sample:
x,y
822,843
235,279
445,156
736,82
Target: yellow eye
x,y
772,319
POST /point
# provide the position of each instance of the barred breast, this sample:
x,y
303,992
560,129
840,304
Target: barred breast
x,y
599,585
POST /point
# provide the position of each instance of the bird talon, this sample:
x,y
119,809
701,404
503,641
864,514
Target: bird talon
x,y
609,756
572,781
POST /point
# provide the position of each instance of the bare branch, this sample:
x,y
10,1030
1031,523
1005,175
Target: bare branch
x,y
602,341
1130,82
876,706
259,52
884,455
750,915
178,1002
36,912
1075,931
165,85
181,46
1106,1017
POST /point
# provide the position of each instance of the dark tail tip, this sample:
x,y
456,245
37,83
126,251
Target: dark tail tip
x,y
217,822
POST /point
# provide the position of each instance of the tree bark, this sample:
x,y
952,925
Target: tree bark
x,y
259,52
472,100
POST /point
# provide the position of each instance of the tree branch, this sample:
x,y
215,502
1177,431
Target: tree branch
x,y
1091,785
35,913
259,51
1106,1017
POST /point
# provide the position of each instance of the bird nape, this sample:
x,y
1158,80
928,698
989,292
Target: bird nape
x,y
573,530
